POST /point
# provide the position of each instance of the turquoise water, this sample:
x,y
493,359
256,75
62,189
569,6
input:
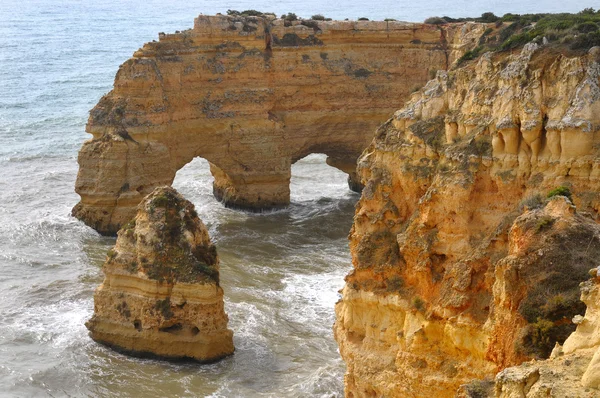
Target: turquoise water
x,y
280,271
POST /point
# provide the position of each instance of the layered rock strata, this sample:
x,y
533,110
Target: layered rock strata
x,y
462,267
161,293
252,95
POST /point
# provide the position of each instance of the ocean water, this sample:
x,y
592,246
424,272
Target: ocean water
x,y
281,271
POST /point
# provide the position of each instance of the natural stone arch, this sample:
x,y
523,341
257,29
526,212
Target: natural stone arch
x,y
338,156
250,95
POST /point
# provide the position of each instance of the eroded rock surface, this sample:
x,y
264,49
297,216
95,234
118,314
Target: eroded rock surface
x,y
573,369
161,293
462,266
252,96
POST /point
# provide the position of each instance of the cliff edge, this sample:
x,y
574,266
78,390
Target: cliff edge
x,y
476,225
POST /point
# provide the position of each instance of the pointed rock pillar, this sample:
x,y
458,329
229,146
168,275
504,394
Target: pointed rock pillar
x,y
161,295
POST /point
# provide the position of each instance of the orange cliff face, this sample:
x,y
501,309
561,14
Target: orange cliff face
x,y
252,96
462,267
161,295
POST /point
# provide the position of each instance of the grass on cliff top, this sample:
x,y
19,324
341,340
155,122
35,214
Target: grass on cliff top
x,y
249,13
576,32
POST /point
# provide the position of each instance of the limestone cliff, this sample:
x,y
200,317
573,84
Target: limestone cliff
x,y
252,95
161,293
573,370
462,267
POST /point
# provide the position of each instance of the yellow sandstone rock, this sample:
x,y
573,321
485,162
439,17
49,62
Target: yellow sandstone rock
x,y
252,96
161,293
462,266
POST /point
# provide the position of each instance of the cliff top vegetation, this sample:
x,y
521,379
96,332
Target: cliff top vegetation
x,y
573,32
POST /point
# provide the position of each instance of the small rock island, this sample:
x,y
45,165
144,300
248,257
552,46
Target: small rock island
x,y
161,295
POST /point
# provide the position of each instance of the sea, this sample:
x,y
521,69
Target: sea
x,y
281,271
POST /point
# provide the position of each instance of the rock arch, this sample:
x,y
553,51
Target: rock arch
x,y
251,95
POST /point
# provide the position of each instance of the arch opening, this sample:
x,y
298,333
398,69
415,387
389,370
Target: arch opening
x,y
195,181
338,155
316,177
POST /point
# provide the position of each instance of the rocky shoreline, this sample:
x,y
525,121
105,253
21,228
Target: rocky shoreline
x,y
477,224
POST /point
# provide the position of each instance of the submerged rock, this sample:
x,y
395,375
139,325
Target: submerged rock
x,y
161,294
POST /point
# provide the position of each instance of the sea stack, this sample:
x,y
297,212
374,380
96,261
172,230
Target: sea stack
x,y
161,295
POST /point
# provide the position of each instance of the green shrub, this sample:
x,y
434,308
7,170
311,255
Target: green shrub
x,y
290,16
587,41
435,21
553,34
586,27
318,17
508,17
252,13
470,55
509,31
540,333
553,282
517,40
248,13
560,191
450,19
160,201
488,17
363,19
579,31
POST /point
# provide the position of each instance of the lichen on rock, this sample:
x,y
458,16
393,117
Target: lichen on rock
x,y
161,293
